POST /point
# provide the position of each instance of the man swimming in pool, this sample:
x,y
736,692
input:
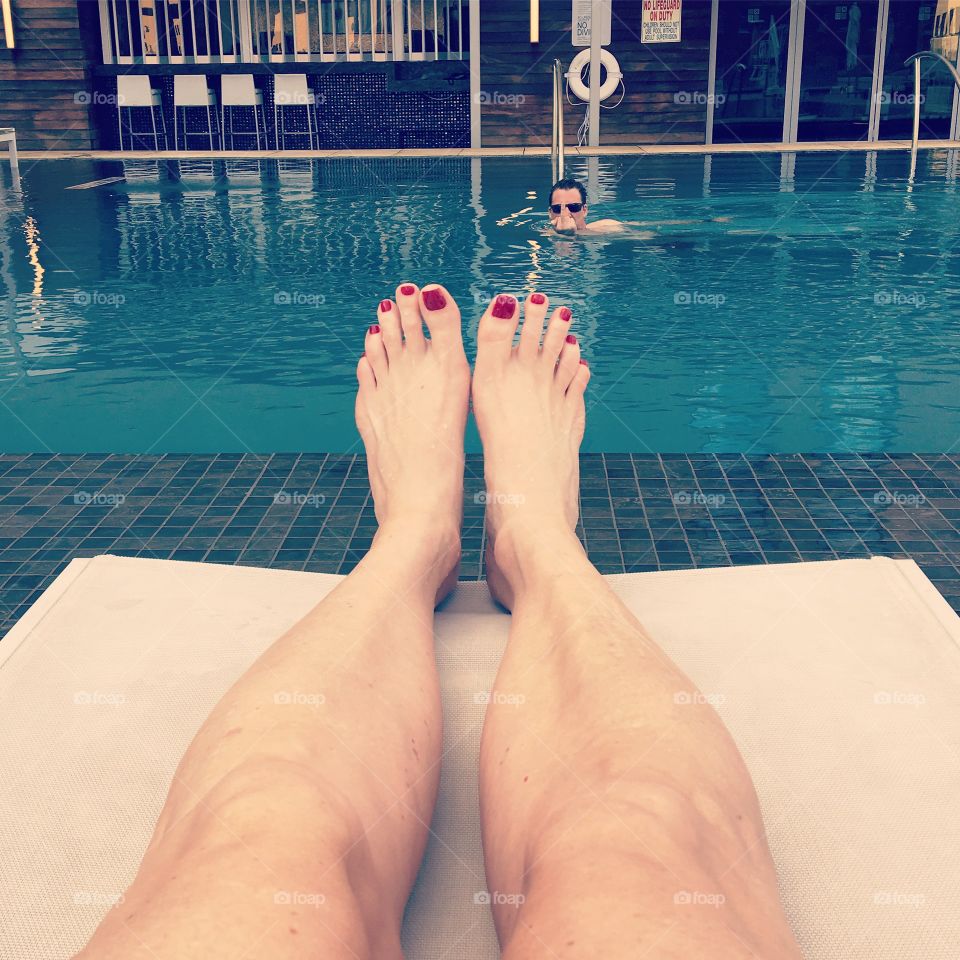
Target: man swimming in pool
x,y
568,214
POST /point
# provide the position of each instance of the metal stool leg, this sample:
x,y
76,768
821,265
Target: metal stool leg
x,y
153,120
163,126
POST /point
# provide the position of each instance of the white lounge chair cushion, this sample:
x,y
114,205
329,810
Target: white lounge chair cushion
x,y
839,682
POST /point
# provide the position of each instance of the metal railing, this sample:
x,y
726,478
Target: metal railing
x,y
272,31
915,60
556,143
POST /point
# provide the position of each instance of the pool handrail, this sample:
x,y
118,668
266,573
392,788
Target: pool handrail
x,y
915,60
556,143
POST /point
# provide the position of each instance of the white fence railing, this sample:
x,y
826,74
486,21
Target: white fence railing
x,y
279,31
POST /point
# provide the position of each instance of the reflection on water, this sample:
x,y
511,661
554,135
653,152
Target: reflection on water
x,y
220,305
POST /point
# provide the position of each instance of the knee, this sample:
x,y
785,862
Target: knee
x,y
262,797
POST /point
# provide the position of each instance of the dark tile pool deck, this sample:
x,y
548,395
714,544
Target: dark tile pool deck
x,y
314,512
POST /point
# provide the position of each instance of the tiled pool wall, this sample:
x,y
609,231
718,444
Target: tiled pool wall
x,y
314,512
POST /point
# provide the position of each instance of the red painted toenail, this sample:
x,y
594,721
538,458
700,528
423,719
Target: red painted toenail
x,y
565,313
408,290
504,307
584,363
571,338
538,298
375,328
385,306
434,299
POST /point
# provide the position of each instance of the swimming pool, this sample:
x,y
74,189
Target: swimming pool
x,y
203,306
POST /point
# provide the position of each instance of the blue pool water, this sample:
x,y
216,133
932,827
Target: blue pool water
x,y
221,307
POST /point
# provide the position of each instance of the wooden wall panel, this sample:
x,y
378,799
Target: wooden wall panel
x,y
43,80
512,67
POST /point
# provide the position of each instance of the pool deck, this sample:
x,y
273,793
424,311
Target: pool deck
x,y
651,149
314,512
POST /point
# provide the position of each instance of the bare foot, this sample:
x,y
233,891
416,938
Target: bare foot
x,y
528,401
411,412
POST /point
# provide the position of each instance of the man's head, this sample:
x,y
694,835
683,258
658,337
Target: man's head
x,y
569,198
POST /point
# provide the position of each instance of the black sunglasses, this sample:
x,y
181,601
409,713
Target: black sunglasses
x,y
572,207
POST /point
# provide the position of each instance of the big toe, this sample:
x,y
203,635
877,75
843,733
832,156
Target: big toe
x,y
442,317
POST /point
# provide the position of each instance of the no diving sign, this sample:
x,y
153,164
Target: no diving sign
x,y
661,21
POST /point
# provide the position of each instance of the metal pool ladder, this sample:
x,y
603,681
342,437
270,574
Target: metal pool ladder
x,y
915,60
556,144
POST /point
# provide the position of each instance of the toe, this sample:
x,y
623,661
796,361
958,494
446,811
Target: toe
x,y
375,352
366,377
442,316
388,315
581,378
556,335
497,327
568,364
411,322
534,312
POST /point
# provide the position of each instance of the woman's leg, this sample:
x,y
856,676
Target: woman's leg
x,y
618,817
297,819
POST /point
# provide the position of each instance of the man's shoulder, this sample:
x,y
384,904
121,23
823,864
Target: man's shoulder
x,y
606,225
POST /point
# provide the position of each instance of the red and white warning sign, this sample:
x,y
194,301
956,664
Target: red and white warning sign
x,y
661,21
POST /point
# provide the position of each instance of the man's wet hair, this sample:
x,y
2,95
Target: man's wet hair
x,y
568,183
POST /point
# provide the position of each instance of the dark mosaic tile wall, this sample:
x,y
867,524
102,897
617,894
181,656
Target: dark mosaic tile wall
x,y
313,512
354,111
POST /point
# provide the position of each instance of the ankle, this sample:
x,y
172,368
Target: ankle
x,y
423,549
530,555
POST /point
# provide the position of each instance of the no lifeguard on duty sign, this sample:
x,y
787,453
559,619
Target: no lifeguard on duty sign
x,y
661,21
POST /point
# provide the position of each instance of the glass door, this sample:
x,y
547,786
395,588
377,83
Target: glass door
x,y
836,79
913,26
752,40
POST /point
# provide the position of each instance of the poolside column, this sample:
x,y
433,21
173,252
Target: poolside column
x,y
595,35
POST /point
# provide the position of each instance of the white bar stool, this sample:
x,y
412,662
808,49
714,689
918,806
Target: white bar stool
x,y
238,90
191,90
135,91
292,90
